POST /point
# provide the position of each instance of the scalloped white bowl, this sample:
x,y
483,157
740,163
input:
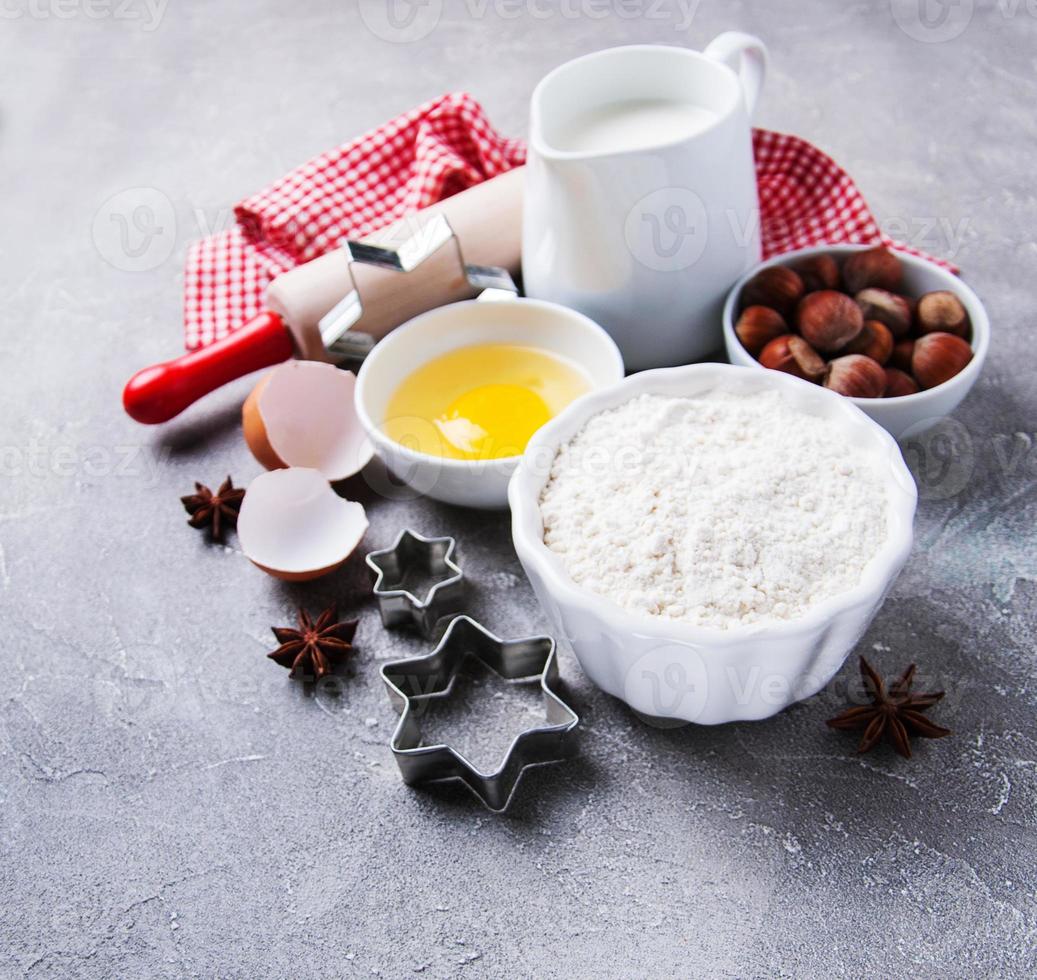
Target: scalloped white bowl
x,y
673,670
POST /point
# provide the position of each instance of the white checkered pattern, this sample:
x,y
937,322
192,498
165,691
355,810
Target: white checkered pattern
x,y
434,151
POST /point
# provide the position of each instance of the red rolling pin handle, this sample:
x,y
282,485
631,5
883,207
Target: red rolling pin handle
x,y
159,392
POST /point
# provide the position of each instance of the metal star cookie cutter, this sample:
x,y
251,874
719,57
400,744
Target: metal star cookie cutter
x,y
434,557
433,676
428,238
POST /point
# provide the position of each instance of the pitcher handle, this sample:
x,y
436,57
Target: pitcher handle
x,y
747,57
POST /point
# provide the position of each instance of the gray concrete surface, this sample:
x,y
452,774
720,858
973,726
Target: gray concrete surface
x,y
170,805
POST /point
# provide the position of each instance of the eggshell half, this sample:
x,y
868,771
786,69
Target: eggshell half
x,y
303,414
294,526
255,431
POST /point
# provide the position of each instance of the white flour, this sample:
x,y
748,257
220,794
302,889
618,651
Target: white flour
x,y
720,510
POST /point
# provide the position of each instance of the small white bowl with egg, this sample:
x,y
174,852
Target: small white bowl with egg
x,y
679,670
480,483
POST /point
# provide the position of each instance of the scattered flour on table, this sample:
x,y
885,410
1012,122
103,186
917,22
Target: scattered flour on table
x,y
720,510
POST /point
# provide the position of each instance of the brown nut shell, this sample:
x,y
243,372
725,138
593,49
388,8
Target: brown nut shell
x,y
874,340
777,287
874,267
899,383
828,320
794,356
938,357
758,326
942,311
889,308
856,376
818,272
901,356
810,362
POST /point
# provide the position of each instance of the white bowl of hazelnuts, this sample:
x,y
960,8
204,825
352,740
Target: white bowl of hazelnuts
x,y
903,338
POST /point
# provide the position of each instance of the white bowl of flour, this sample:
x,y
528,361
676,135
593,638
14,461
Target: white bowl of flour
x,y
712,540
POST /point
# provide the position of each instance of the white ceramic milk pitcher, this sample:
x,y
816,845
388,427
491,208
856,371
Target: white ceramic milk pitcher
x,y
640,202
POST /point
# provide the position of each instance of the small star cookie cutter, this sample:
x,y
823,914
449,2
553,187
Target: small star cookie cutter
x,y
410,552
433,676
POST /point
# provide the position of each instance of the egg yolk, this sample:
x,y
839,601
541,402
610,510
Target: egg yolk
x,y
493,420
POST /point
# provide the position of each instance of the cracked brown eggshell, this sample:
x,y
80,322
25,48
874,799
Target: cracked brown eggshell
x,y
303,414
295,527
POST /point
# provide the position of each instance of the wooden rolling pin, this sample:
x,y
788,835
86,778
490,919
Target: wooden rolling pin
x,y
487,222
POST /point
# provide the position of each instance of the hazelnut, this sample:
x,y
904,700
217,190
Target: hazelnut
x,y
938,357
877,267
857,376
886,307
794,356
874,340
758,326
828,320
942,311
818,272
810,362
899,383
777,287
901,356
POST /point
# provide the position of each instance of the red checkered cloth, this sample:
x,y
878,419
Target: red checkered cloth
x,y
434,151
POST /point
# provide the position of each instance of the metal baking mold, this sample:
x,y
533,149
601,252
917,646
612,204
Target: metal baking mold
x,y
433,676
434,557
428,239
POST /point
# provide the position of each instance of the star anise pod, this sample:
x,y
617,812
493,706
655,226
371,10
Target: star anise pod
x,y
897,713
309,649
214,510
